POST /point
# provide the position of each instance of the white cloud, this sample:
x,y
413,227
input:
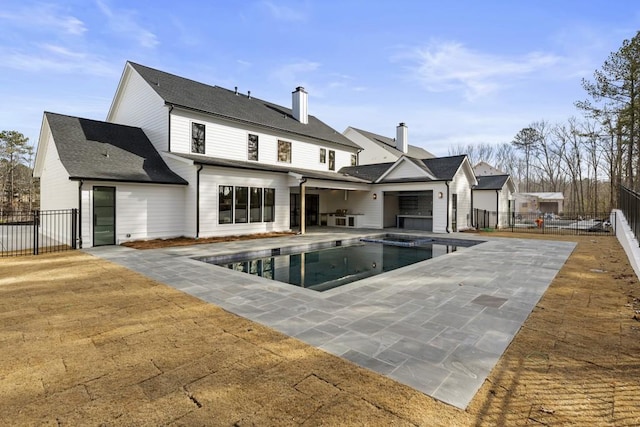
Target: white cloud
x,y
43,18
122,22
284,13
450,66
290,74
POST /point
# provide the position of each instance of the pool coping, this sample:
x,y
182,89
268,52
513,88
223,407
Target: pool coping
x,y
439,325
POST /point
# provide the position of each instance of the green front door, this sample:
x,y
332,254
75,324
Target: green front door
x,y
104,216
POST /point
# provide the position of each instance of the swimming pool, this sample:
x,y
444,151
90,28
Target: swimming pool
x,y
321,269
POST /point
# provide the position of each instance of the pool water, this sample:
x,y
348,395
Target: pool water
x,y
328,268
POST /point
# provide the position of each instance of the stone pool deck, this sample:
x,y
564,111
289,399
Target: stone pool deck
x,y
439,326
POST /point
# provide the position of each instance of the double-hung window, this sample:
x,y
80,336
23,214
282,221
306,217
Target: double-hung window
x,y
284,151
269,204
332,160
252,147
255,204
323,155
197,138
225,204
242,200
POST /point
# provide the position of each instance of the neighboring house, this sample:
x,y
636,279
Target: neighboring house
x,y
380,149
539,203
494,194
485,169
180,158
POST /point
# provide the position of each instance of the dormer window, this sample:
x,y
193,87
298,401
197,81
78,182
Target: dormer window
x,y
252,147
197,138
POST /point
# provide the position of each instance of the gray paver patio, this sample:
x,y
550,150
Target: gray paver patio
x,y
439,326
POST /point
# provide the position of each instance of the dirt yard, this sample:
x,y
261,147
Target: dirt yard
x,y
86,342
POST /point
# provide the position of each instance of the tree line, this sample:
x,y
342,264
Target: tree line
x,y
587,158
18,188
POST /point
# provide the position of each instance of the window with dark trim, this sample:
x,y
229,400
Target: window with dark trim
x,y
225,204
323,155
269,204
354,160
255,204
197,138
242,200
284,151
252,147
332,160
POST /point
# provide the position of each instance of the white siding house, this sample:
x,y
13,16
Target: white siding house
x,y
176,157
494,194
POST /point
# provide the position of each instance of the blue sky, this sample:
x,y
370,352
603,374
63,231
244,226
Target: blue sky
x,y
457,72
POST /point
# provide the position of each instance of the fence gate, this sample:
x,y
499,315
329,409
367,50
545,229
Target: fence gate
x,y
36,232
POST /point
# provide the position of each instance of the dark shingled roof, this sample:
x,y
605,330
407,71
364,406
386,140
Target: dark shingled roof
x,y
91,149
225,103
491,182
443,168
238,164
390,145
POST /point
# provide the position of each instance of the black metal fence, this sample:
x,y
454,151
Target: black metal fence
x,y
629,204
566,223
37,232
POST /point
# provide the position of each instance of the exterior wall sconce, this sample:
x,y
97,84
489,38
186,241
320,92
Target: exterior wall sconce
x,y
375,196
440,195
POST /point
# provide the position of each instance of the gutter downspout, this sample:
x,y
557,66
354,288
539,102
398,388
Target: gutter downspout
x,y
497,209
80,213
169,129
447,184
198,201
302,206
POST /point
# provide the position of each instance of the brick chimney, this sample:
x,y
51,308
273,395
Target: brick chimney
x,y
300,105
402,138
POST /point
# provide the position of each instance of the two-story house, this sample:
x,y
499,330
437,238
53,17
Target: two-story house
x,y
176,157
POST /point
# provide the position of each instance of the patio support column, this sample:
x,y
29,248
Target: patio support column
x,y
303,206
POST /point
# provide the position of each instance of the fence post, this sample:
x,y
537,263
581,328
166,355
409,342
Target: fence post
x,y
74,228
36,221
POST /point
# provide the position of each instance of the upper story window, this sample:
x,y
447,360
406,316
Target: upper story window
x,y
332,160
197,138
323,155
354,160
252,147
284,151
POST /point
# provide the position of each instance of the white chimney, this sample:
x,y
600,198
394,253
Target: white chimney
x,y
300,105
402,138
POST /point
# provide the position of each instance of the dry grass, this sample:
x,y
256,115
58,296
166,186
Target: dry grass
x,y
84,341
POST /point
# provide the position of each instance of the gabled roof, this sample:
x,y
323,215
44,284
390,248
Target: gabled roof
x,y
442,168
224,103
95,150
445,168
491,182
239,164
389,144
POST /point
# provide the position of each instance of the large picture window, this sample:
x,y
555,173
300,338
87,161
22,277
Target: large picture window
x,y
252,147
255,204
197,138
225,204
332,160
242,200
269,204
284,151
